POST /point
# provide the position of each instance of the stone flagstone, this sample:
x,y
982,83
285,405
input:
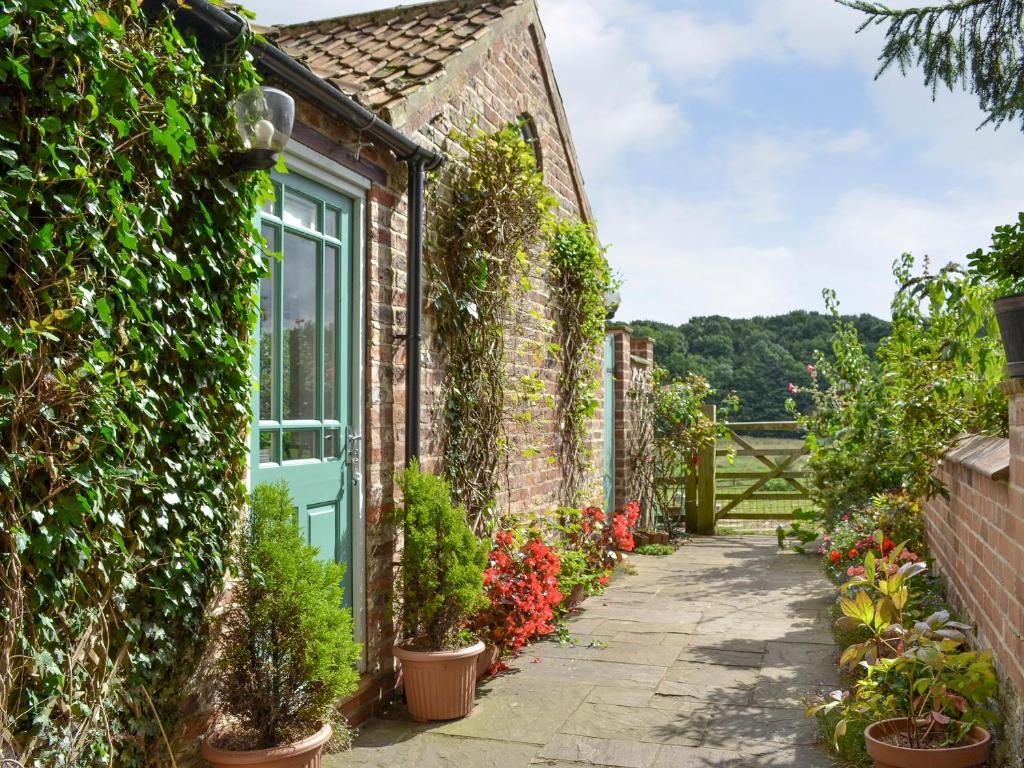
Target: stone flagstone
x,y
700,659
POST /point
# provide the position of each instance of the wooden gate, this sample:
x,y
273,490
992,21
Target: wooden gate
x,y
779,463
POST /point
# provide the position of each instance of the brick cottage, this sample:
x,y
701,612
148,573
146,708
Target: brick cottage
x,y
339,408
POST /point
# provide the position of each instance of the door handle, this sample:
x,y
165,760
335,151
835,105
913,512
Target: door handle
x,y
353,452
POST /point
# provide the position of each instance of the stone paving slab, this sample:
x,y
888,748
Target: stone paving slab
x,y
699,659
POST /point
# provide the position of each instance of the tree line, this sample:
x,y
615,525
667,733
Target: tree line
x,y
757,358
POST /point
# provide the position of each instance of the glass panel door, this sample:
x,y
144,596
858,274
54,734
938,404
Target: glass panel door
x,y
304,409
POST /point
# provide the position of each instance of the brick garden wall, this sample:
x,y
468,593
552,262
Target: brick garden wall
x,y
977,539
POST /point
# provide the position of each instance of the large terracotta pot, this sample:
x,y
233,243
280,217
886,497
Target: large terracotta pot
x,y
439,685
485,660
301,754
973,752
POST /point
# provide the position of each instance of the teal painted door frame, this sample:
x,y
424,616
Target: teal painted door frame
x,y
609,422
308,362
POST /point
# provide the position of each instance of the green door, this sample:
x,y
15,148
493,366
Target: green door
x,y
609,423
305,407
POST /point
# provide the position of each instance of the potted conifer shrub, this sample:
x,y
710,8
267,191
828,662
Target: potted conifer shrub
x,y
1003,266
441,585
286,652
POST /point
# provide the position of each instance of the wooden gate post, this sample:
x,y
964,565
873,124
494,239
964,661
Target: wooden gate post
x,y
690,499
706,482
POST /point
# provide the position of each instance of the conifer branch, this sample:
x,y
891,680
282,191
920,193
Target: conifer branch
x,y
974,44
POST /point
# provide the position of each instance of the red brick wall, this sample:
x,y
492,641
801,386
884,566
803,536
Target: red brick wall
x,y
977,540
507,77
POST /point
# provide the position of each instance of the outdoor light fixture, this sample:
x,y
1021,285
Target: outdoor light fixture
x,y
612,300
264,118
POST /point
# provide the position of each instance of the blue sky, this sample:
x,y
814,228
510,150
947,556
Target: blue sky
x,y
740,157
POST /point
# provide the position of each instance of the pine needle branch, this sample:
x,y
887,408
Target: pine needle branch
x,y
974,44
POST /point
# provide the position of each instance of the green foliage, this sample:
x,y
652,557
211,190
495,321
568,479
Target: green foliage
x,y
681,431
880,425
126,303
580,277
757,358
286,652
490,222
974,44
441,578
656,550
915,669
1003,264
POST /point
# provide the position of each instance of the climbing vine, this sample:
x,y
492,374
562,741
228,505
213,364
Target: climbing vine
x,y
490,211
126,302
580,278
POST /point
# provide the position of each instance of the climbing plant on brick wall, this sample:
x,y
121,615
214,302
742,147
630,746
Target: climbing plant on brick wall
x,y
126,299
580,277
489,216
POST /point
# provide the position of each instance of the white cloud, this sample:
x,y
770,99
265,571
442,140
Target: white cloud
x,y
610,92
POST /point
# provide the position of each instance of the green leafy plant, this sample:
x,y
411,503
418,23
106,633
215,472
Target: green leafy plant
x,y
881,425
1002,265
916,670
681,430
286,653
127,267
657,550
580,277
491,208
441,577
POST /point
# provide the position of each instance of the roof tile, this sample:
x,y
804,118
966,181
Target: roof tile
x,y
380,57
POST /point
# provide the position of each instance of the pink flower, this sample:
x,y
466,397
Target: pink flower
x,y
812,371
792,388
855,570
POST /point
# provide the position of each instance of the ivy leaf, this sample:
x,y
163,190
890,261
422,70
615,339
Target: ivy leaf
x,y
109,23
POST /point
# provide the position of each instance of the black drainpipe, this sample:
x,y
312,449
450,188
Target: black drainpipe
x,y
226,28
414,306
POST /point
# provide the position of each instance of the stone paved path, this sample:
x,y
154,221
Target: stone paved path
x,y
699,659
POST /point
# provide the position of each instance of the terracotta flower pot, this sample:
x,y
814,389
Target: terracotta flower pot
x,y
973,752
486,659
439,685
301,754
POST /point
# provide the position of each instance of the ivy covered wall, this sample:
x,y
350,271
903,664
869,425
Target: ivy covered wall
x,y
127,281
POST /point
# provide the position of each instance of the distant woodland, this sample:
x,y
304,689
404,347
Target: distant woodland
x,y
757,357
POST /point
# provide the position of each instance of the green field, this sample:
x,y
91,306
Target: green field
x,y
781,507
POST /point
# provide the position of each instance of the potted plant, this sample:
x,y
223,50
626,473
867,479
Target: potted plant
x,y
1003,266
932,690
286,652
440,583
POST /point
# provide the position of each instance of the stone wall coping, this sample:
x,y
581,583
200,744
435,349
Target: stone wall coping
x,y
612,326
1012,387
988,456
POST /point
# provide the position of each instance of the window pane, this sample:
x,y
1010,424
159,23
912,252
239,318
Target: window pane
x,y
300,211
330,340
332,444
298,345
266,341
268,448
330,222
301,444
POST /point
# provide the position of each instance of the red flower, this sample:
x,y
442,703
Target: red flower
x,y
852,554
834,556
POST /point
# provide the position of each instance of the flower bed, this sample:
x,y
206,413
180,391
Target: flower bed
x,y
535,575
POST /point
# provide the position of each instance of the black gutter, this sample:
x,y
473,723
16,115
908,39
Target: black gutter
x,y
226,29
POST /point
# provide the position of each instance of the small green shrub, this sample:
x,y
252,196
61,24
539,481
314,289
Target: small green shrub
x,y
441,577
657,550
287,650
